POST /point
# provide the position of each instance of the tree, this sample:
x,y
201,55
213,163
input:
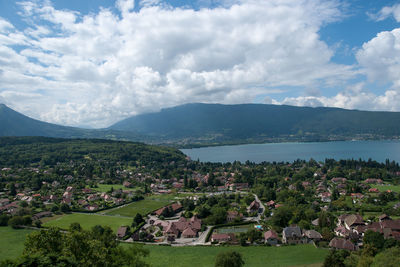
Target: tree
x,y
96,247
16,222
336,258
137,220
387,258
13,190
65,208
229,259
374,238
4,220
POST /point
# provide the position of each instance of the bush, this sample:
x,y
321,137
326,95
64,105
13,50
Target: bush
x,y
16,222
4,220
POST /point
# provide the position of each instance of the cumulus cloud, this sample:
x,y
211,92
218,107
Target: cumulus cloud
x,y
380,57
387,12
98,68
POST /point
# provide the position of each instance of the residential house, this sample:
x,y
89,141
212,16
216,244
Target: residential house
x,y
221,238
122,232
42,214
341,243
271,237
292,235
373,190
254,206
353,220
312,236
189,233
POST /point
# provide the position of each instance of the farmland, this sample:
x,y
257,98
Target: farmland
x,y
382,188
253,256
12,242
144,206
108,187
88,220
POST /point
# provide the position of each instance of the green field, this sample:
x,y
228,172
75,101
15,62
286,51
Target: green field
x,y
163,256
143,206
382,188
12,242
89,220
107,187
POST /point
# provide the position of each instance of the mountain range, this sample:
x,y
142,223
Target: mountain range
x,y
215,124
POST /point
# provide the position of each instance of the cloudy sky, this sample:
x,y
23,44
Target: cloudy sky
x,y
91,63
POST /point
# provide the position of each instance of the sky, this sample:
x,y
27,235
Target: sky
x,y
92,63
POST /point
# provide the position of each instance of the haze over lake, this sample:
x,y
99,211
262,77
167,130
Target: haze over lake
x,y
376,150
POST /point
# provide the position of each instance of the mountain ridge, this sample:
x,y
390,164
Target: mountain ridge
x,y
199,124
249,123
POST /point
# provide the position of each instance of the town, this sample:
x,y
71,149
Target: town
x,y
342,205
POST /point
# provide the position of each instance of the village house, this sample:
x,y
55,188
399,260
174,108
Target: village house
x,y
292,235
352,221
373,181
312,236
254,206
175,208
122,232
222,238
41,215
373,190
341,243
271,237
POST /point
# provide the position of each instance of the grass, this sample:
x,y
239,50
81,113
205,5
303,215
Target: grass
x,y
143,207
382,188
12,242
303,255
107,187
87,221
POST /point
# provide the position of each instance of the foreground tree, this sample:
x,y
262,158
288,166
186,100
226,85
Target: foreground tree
x,y
96,247
229,259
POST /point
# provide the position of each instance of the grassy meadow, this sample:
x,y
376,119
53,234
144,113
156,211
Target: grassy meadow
x,y
383,188
301,255
143,207
87,221
107,187
12,242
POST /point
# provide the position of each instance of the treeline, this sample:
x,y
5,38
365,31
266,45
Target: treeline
x,y
25,151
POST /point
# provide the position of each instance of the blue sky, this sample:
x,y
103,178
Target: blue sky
x,y
91,63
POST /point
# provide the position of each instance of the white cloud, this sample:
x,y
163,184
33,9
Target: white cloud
x,y
387,12
380,57
98,68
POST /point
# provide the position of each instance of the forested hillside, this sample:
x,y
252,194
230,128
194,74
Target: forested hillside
x,y
258,122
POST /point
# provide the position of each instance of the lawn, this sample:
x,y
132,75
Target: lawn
x,y
143,206
87,221
107,187
12,242
382,188
253,256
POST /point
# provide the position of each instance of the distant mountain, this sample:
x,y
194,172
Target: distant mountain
x,y
13,123
247,123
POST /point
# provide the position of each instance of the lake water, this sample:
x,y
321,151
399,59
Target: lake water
x,y
376,150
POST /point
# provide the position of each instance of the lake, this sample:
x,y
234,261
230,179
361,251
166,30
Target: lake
x,y
376,150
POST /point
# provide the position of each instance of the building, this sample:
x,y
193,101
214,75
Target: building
x,y
271,237
292,235
341,243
